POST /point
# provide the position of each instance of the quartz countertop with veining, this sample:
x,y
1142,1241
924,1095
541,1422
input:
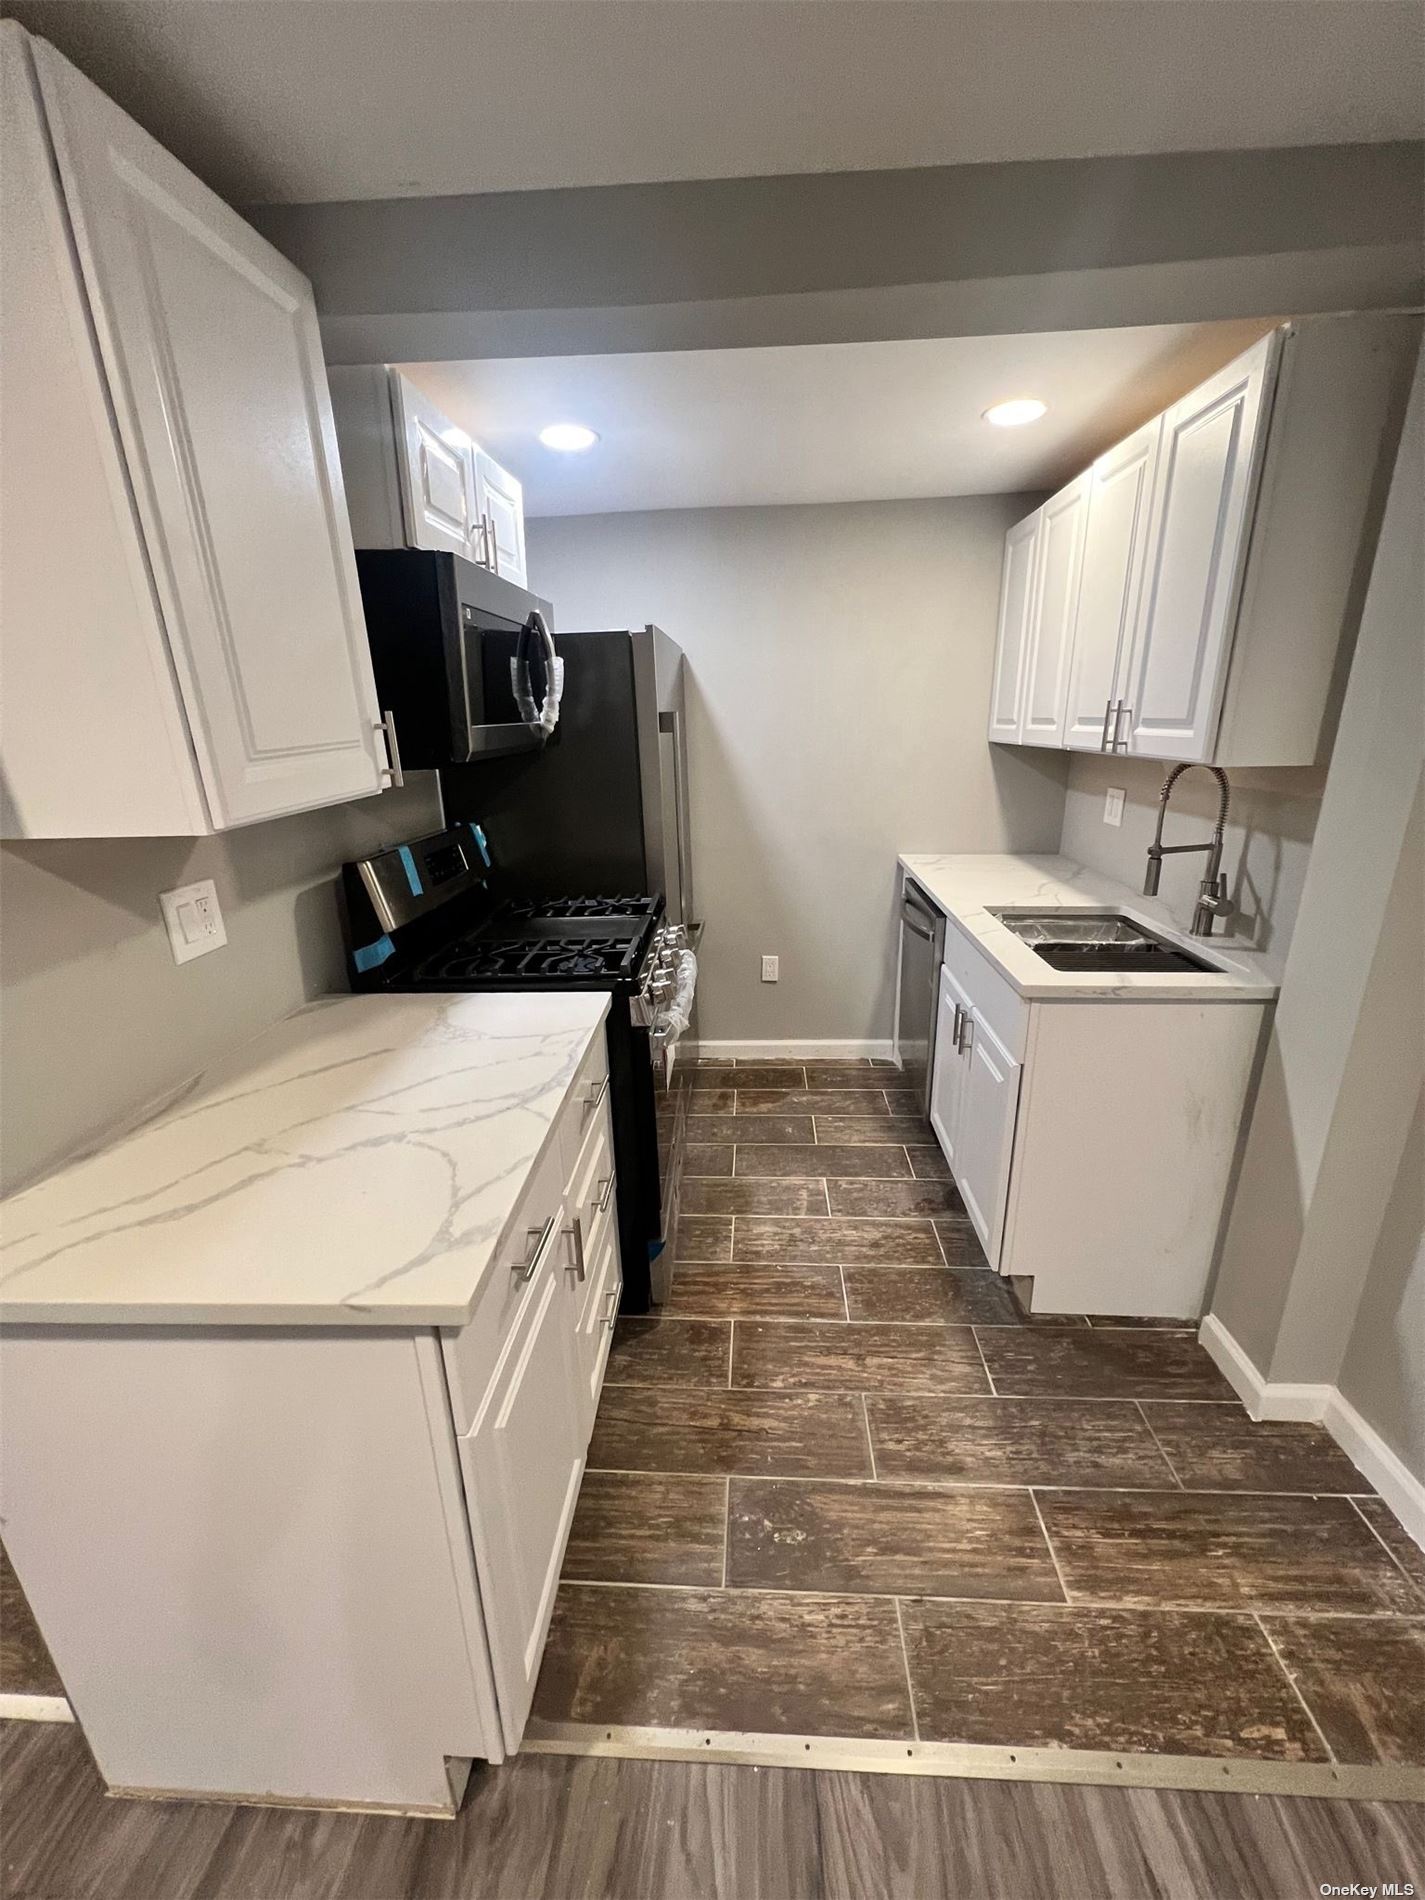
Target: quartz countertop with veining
x,y
970,888
357,1163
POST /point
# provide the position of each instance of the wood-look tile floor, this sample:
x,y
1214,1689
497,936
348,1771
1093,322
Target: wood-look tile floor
x,y
842,1486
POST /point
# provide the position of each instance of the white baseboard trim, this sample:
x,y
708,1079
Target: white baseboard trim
x,y
1399,1489
35,1708
1261,1399
793,1051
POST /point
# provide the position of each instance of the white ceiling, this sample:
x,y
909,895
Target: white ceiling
x,y
290,100
826,422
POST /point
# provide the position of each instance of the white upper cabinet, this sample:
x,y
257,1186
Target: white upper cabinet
x,y
1054,605
1015,602
500,500
1196,606
415,479
183,643
84,654
1208,461
1115,549
438,482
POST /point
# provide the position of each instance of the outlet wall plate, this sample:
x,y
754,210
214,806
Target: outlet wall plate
x,y
193,919
1113,805
770,969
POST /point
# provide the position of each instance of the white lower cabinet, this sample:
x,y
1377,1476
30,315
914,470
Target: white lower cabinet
x,y
522,1463
947,1076
525,1377
975,1084
1091,1140
986,1130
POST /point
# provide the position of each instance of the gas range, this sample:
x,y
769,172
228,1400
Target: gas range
x,y
576,939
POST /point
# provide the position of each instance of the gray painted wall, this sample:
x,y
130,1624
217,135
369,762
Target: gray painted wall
x,y
1343,1066
840,660
95,1016
1272,819
938,251
1383,1371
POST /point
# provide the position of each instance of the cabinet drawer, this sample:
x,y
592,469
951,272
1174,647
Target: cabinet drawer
x,y
472,1353
994,996
590,1193
587,1095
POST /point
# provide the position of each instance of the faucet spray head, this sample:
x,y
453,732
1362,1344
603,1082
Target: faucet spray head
x,y
1153,873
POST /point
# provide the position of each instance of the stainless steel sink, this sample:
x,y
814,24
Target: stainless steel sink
x,y
1097,942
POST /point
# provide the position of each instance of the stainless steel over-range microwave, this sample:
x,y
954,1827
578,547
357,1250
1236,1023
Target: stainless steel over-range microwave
x,y
443,633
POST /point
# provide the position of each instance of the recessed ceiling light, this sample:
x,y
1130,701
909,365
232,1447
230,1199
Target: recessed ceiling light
x,y
569,437
1017,411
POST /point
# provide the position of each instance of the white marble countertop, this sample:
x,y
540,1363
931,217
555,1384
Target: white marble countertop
x,y
356,1164
970,888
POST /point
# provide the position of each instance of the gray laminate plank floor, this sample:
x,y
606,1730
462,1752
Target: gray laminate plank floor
x,y
549,1828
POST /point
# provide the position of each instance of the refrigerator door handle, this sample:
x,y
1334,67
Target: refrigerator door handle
x,y
671,723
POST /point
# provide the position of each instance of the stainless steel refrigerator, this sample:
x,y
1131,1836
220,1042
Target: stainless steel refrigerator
x,y
602,809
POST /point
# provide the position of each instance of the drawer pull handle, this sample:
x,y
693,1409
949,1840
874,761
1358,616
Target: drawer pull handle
x,y
595,1096
540,1238
575,1232
611,1317
603,1194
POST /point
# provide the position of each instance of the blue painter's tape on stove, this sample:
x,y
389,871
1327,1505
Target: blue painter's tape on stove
x,y
371,955
413,876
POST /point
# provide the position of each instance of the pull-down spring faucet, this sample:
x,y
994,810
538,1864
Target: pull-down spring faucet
x,y
1212,898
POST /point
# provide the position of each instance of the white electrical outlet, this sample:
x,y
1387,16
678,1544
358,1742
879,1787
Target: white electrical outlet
x,y
195,923
769,969
1113,805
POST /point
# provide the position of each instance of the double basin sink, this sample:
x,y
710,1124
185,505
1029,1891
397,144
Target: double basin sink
x,y
1097,942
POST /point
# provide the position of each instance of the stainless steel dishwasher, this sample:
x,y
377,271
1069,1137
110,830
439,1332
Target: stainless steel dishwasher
x,y
922,950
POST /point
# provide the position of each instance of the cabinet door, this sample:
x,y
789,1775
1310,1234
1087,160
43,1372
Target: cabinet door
x,y
214,367
1049,644
1016,588
985,1137
1207,475
1115,552
500,500
947,1082
438,481
522,1460
92,730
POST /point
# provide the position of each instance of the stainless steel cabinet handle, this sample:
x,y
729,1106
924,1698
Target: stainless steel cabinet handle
x,y
1124,711
575,1232
962,1040
1107,715
611,1317
492,546
603,1194
534,1257
955,1030
387,727
595,1095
